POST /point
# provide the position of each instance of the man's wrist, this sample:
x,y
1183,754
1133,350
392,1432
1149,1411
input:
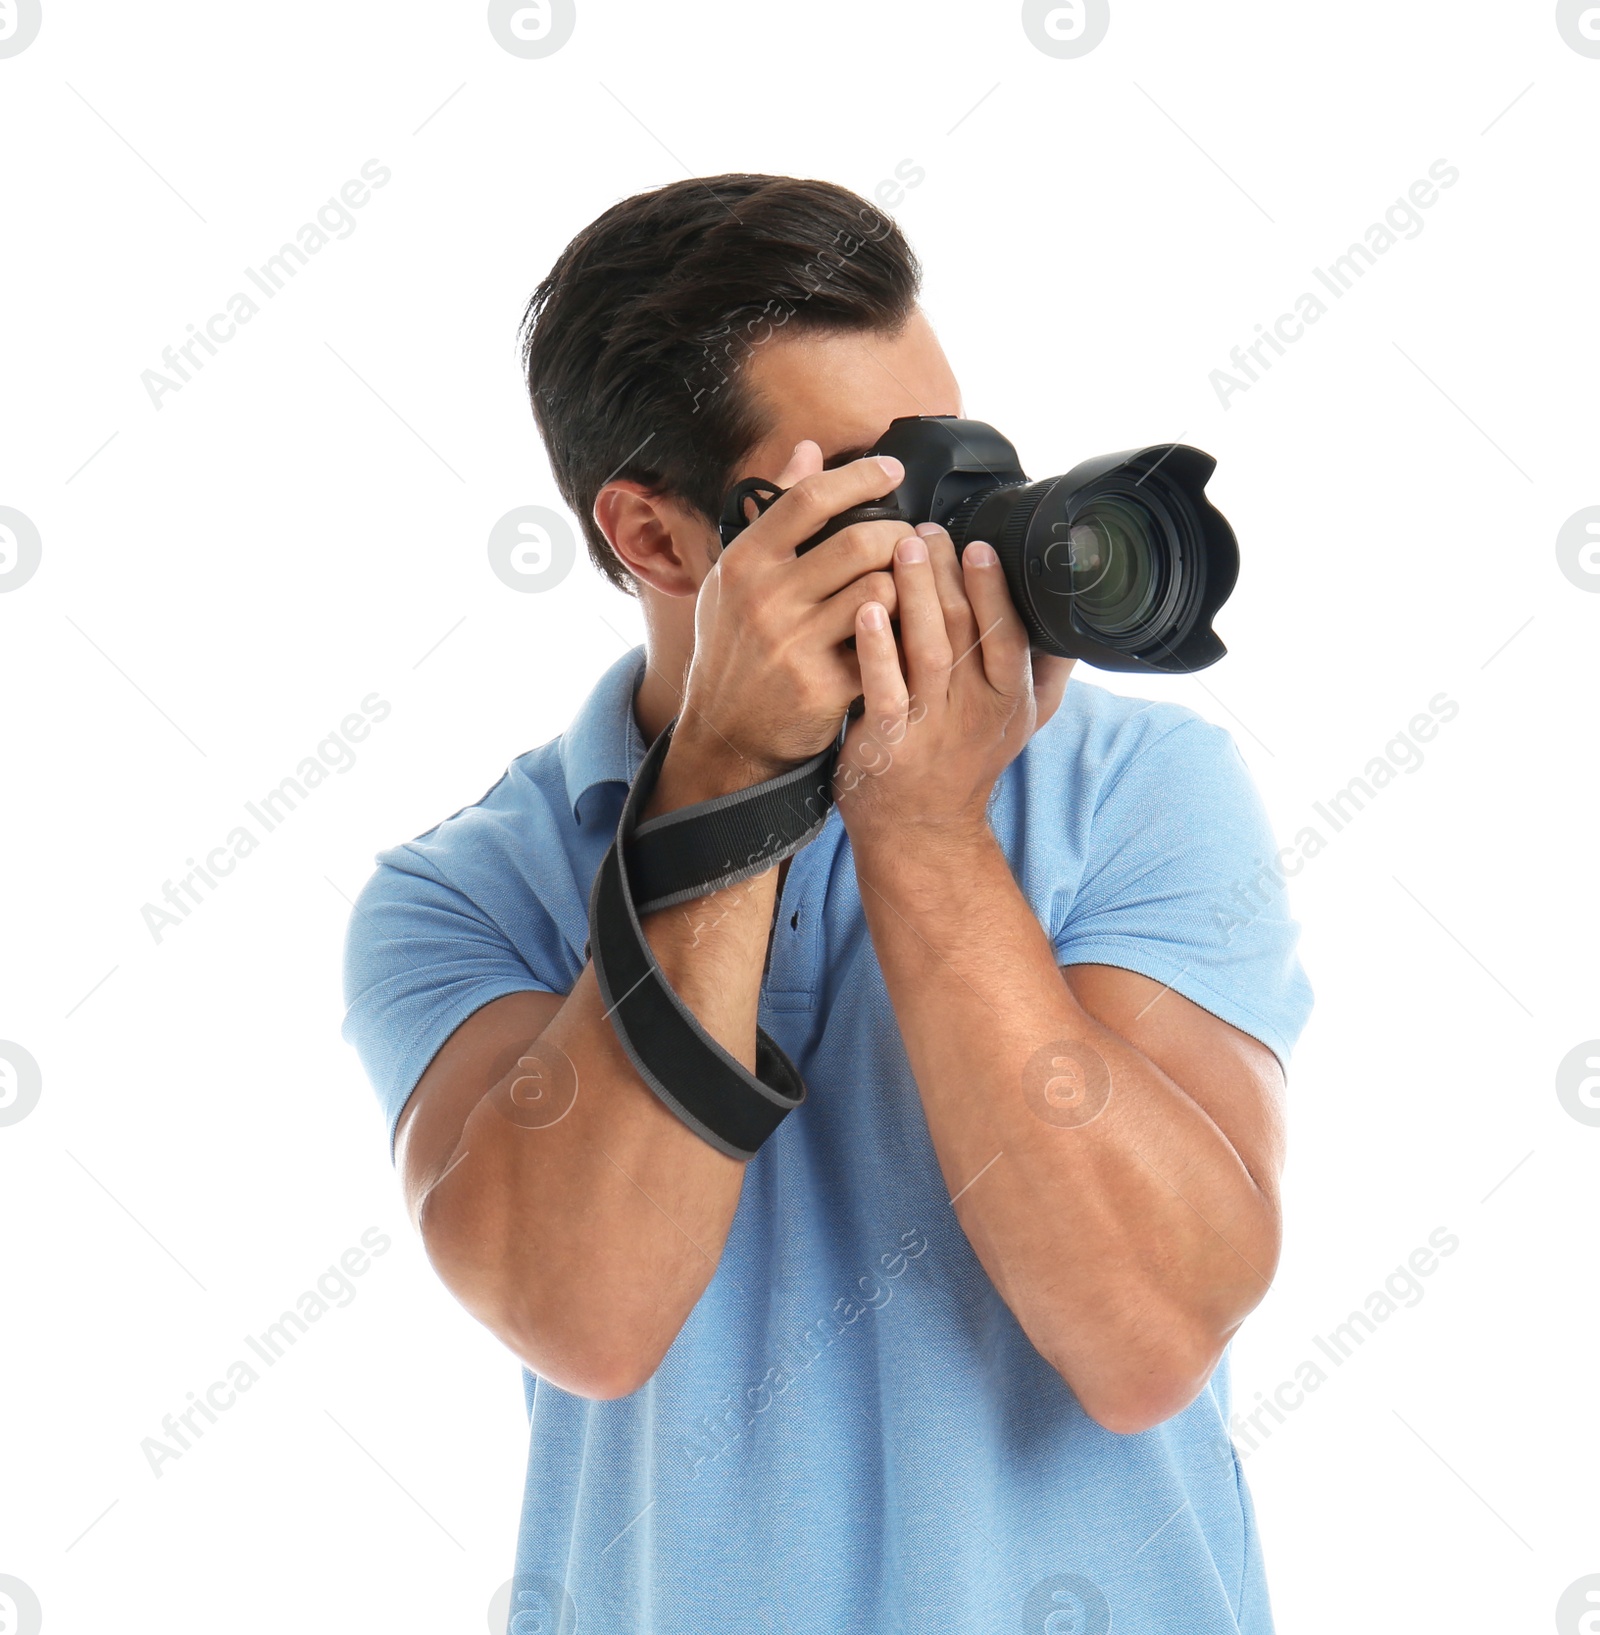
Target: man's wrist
x,y
926,862
701,765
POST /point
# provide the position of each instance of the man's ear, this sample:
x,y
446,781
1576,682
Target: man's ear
x,y
662,542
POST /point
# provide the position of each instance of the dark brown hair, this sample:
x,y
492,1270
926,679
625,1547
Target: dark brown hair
x,y
633,342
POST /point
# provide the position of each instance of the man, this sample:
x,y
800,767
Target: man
x,y
949,1352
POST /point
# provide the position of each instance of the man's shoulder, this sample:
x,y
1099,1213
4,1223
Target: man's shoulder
x,y
521,815
501,879
539,808
1097,735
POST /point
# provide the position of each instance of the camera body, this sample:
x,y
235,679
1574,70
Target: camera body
x,y
1121,562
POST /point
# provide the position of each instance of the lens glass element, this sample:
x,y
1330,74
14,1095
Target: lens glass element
x,y
1109,563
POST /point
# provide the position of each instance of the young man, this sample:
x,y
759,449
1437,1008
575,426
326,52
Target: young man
x,y
949,1352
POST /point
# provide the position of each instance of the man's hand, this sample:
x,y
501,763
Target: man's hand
x,y
919,763
772,676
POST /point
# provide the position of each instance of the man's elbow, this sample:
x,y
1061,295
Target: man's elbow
x,y
593,1367
1128,1412
595,1381
608,1376
1141,1388
553,1334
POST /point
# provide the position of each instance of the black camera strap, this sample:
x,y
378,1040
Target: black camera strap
x,y
669,860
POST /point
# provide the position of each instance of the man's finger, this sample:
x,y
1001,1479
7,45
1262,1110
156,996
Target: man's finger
x,y
960,623
836,617
1002,636
922,625
817,497
807,457
883,683
883,691
860,549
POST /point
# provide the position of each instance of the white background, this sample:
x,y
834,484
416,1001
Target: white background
x,y
304,523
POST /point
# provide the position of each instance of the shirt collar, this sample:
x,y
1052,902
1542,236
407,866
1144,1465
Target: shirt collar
x,y
604,744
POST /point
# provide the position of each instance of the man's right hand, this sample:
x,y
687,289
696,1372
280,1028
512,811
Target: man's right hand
x,y
772,676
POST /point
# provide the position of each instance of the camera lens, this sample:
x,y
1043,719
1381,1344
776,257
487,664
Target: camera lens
x,y
1122,561
1112,567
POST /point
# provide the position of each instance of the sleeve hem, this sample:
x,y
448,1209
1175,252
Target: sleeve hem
x,y
431,1038
1142,958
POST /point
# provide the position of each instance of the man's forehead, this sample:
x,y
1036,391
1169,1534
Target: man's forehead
x,y
843,389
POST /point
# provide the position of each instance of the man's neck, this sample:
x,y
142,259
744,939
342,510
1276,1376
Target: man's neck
x,y
667,651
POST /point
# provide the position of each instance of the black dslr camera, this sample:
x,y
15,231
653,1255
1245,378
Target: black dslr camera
x,y
1123,562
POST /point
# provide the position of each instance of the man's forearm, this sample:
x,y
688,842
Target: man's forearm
x,y
1129,1239
584,1235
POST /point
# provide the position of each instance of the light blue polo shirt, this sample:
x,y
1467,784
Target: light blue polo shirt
x,y
852,1435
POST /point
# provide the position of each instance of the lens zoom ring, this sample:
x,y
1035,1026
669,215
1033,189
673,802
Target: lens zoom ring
x,y
1009,548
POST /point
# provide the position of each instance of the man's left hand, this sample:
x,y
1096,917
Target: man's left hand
x,y
950,707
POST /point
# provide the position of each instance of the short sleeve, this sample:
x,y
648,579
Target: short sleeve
x,y
420,958
1181,883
